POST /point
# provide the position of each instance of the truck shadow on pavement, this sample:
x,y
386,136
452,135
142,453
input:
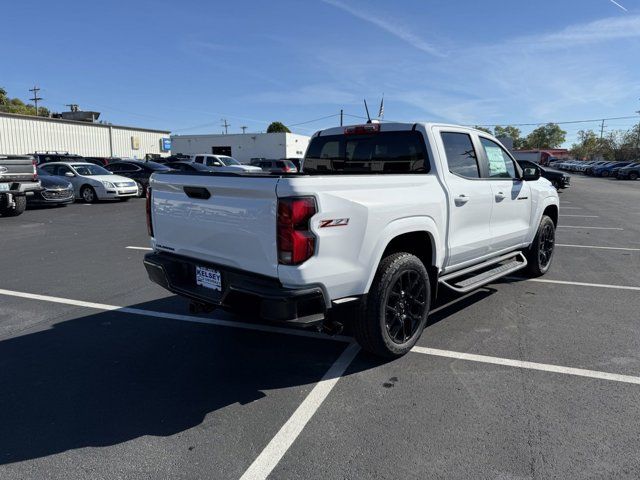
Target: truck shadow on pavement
x,y
109,377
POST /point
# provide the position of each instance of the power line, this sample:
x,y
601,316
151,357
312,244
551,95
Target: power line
x,y
314,120
195,127
557,123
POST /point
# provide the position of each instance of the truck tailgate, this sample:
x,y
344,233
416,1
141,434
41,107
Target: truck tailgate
x,y
235,226
16,170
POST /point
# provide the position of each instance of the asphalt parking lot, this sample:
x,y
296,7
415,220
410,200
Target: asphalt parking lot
x,y
103,374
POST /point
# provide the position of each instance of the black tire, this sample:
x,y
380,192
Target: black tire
x,y
141,189
633,176
540,252
21,206
88,194
392,317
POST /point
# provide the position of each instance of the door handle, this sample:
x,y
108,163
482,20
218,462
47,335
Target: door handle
x,y
462,199
500,196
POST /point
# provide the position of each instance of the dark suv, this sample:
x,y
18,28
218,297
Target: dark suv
x,y
46,157
137,170
557,178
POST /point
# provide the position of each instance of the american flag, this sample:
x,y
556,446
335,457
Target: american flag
x,y
381,111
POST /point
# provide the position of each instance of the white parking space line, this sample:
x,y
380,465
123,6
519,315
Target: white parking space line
x,y
587,227
615,377
581,216
597,247
176,316
578,284
571,208
263,465
139,248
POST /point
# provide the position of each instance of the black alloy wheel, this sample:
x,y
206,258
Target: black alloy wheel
x,y
405,307
393,314
546,244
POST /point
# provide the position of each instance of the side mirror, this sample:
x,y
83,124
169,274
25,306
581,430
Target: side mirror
x,y
69,174
531,174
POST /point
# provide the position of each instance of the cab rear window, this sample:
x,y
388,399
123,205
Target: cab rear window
x,y
372,153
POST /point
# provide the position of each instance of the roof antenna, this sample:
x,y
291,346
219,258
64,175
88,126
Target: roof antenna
x,y
367,109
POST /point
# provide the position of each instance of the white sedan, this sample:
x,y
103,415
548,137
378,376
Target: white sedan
x,y
92,182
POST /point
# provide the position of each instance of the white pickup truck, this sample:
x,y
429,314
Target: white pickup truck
x,y
222,163
380,215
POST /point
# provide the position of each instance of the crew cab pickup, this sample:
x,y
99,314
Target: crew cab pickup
x,y
18,178
379,217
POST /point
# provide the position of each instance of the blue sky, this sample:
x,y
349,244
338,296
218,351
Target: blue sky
x,y
185,65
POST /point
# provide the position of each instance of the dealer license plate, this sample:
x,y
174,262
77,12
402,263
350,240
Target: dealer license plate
x,y
209,278
4,187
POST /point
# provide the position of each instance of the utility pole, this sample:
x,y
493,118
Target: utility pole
x,y
638,141
602,125
35,98
225,125
341,117
244,129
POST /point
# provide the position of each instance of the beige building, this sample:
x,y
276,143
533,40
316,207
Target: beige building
x,y
24,134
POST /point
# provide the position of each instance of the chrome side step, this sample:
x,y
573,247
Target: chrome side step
x,y
513,262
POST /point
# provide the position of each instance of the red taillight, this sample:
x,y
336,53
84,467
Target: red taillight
x,y
296,242
361,129
35,170
149,222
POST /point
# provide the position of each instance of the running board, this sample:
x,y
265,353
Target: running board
x,y
514,262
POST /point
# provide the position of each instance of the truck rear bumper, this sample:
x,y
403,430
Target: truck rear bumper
x,y
241,291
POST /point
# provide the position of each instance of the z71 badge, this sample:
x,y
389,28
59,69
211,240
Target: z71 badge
x,y
335,222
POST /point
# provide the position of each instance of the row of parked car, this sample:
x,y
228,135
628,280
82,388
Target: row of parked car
x,y
628,170
64,178
60,178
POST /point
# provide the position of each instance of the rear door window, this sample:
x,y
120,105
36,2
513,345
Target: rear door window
x,y
381,152
199,159
461,156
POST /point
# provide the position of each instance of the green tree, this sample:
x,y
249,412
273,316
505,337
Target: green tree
x,y
546,136
511,132
589,145
15,105
482,129
277,127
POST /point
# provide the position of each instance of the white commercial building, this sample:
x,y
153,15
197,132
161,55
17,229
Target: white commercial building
x,y
243,146
25,134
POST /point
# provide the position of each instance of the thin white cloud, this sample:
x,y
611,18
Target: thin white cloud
x,y
395,29
580,71
599,31
316,94
618,5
